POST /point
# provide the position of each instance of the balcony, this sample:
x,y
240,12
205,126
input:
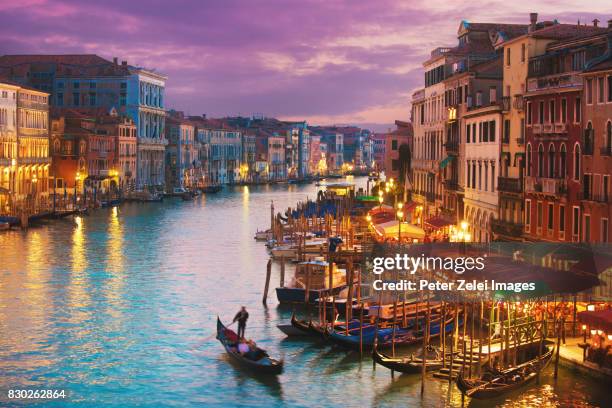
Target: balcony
x,y
565,80
505,228
553,186
595,197
560,128
452,146
518,102
452,185
532,185
509,185
505,103
536,128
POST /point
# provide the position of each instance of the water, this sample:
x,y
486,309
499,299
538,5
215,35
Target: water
x,y
118,309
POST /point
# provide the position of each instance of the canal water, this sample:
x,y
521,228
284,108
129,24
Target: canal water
x,y
119,308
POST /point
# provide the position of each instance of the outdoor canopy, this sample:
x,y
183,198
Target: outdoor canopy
x,y
391,229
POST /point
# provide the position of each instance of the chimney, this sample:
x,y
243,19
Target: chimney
x,y
595,22
115,61
609,23
124,63
533,19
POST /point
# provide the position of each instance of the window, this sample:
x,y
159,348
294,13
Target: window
x,y
609,136
473,133
540,215
605,187
563,162
527,215
540,160
551,160
578,60
541,112
485,130
507,57
92,99
587,228
604,230
576,162
529,159
467,133
60,85
561,219
529,113
578,111
468,175
92,85
75,99
486,177
479,98
492,131
523,52
60,99
609,91
550,216
600,90
563,110
575,223
492,95
507,131
76,85
551,111
589,91
394,144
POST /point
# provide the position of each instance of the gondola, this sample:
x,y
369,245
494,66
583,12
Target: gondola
x,y
495,383
384,336
258,360
301,325
411,364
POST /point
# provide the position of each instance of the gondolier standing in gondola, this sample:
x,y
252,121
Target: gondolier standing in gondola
x,y
242,316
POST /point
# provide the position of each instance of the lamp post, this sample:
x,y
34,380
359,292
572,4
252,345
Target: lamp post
x,y
400,217
34,183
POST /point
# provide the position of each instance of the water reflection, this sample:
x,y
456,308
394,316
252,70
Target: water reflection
x,y
119,306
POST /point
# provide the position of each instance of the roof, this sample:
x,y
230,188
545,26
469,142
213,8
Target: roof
x,y
22,86
69,59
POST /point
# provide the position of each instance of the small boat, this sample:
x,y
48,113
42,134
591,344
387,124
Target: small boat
x,y
494,383
263,235
256,360
411,364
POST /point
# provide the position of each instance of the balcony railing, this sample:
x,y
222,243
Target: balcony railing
x,y
506,228
565,80
596,197
505,103
451,146
554,186
536,128
532,185
518,102
452,185
510,185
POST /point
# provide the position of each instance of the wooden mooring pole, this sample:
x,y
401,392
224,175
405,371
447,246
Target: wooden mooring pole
x,y
268,273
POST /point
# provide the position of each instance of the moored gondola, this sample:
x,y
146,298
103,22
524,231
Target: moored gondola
x,y
495,383
410,364
256,360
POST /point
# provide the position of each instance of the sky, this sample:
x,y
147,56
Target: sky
x,y
325,61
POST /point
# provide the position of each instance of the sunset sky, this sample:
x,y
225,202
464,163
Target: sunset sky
x,y
322,60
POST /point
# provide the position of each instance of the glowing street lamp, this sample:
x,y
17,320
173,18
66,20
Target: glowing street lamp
x,y
369,218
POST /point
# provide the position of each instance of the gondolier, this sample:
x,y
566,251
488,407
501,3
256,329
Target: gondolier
x,y
242,316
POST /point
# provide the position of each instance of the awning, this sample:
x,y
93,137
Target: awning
x,y
438,222
391,229
601,319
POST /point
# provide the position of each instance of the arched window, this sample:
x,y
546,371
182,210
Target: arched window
x,y
56,146
540,160
563,161
529,159
576,161
551,160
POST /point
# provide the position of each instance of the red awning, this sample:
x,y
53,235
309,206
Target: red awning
x,y
600,319
438,222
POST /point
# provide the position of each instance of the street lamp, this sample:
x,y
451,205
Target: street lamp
x,y
369,218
